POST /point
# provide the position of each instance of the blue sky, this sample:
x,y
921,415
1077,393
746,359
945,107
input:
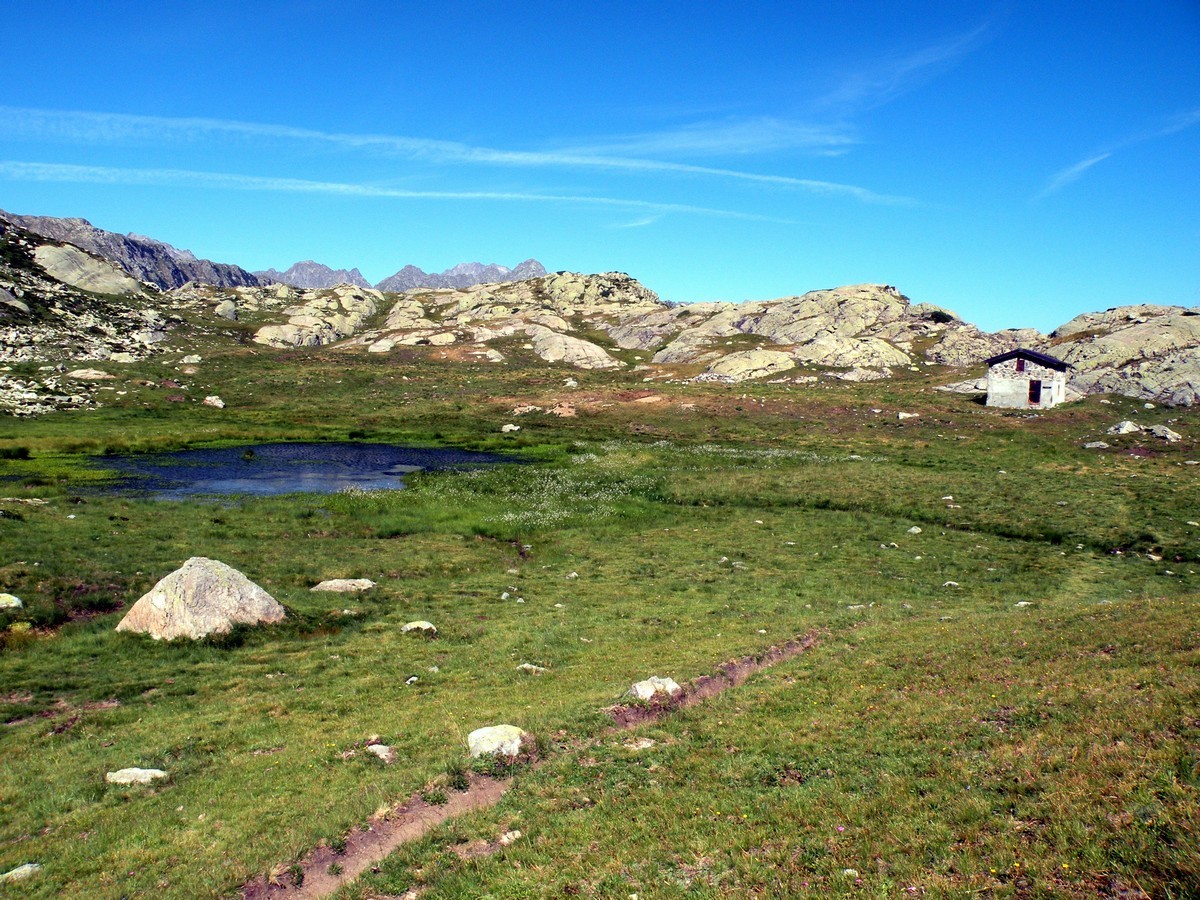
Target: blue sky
x,y
1016,162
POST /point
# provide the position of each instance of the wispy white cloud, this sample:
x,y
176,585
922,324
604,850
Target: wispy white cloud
x,y
641,222
116,128
881,79
1061,179
1173,125
58,172
729,137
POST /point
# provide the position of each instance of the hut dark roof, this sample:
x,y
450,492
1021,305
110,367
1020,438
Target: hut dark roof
x,y
1048,361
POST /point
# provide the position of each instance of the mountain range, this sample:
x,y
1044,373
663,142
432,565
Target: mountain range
x,y
310,274
167,267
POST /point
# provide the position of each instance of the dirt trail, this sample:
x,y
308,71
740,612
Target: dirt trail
x,y
415,818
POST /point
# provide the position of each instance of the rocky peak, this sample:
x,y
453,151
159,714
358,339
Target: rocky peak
x,y
310,274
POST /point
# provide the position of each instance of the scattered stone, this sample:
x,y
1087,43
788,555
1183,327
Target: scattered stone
x,y
510,427
950,584
214,401
345,585
227,309
420,625
1162,431
134,775
508,838
645,690
639,744
383,751
191,360
1125,427
411,680
501,740
906,415
531,669
21,872
1021,604
202,597
10,601
916,529
1095,445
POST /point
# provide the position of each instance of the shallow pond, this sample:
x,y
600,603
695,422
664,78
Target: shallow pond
x,y
269,469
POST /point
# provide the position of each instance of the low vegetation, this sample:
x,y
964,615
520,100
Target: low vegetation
x,y
1003,702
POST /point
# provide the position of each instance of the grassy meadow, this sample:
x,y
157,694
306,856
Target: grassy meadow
x,y
1004,704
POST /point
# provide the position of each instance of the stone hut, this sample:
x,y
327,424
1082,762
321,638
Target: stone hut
x,y
1026,379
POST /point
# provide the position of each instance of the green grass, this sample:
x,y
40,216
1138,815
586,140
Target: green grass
x,y
951,734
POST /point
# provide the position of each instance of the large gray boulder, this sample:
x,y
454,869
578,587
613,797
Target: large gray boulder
x,y
202,597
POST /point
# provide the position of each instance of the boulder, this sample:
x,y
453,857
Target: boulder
x,y
202,597
498,740
213,401
345,585
227,309
646,690
134,775
9,601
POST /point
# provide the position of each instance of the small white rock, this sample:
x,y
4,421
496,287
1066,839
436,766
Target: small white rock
x,y
383,751
950,584
134,775
914,530
509,837
531,669
10,601
420,625
644,690
345,585
510,428
214,401
20,873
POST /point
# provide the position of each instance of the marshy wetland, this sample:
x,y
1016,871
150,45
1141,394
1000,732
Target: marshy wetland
x,y
1001,699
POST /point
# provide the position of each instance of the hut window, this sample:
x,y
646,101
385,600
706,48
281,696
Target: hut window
x,y
1020,365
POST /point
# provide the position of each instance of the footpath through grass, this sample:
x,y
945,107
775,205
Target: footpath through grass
x,y
1002,702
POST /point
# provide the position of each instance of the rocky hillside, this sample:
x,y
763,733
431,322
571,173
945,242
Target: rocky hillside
x,y
144,258
62,306
1146,351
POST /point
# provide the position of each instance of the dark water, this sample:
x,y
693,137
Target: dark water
x,y
268,469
